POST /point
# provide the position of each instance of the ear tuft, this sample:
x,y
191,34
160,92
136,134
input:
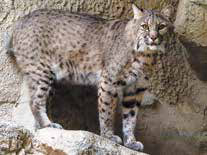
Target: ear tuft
x,y
138,13
168,11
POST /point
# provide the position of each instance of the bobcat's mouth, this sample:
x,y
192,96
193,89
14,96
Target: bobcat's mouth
x,y
151,42
154,44
145,44
153,47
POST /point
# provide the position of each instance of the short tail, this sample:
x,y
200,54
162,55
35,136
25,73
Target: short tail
x,y
7,44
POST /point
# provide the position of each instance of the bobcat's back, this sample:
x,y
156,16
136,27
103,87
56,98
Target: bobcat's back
x,y
60,38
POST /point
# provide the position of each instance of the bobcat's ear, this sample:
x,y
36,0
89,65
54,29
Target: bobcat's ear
x,y
168,11
138,13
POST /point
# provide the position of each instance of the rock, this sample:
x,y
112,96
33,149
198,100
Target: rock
x,y
9,83
191,25
199,2
6,111
191,21
81,142
15,139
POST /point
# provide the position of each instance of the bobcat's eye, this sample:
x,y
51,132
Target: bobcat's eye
x,y
145,26
161,26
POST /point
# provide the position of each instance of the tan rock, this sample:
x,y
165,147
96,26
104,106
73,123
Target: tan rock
x,y
191,21
80,142
14,139
17,140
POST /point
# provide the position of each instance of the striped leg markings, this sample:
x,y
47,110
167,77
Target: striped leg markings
x,y
107,103
40,86
131,102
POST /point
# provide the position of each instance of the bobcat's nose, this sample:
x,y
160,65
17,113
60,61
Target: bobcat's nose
x,y
153,35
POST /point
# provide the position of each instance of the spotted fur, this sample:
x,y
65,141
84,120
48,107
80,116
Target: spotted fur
x,y
56,45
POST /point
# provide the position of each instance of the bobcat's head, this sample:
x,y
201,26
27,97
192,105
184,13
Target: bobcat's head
x,y
148,29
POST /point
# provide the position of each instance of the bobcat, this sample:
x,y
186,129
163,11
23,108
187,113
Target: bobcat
x,y
57,45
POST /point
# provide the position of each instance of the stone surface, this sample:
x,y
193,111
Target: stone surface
x,y
17,140
9,83
6,110
14,139
191,25
191,21
81,142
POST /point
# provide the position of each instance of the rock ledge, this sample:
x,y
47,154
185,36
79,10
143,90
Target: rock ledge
x,y
17,140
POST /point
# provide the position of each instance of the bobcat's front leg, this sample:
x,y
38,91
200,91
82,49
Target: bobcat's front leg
x,y
107,103
129,119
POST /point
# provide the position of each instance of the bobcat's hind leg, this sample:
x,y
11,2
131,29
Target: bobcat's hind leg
x,y
39,83
129,118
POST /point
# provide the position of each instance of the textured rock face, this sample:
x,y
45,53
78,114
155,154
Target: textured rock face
x,y
191,21
191,25
14,139
80,142
17,140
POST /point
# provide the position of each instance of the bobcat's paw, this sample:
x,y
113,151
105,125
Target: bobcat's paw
x,y
135,145
55,125
114,138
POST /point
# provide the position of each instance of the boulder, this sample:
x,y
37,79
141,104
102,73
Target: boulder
x,y
191,21
191,25
81,142
15,139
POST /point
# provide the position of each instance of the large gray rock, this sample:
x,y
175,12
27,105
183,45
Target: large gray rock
x,y
191,25
16,140
81,142
6,111
191,21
